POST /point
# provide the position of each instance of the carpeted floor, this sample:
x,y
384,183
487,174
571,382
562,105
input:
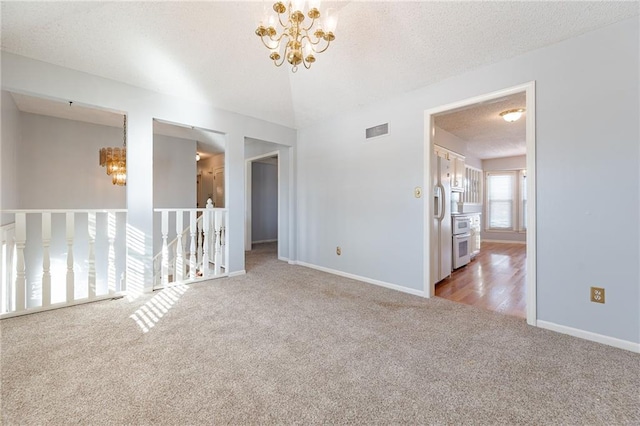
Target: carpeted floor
x,y
290,345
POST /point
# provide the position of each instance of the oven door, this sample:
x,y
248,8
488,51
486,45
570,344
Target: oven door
x,y
461,225
461,250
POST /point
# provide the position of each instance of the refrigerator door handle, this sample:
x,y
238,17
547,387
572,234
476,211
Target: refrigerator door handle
x,y
442,208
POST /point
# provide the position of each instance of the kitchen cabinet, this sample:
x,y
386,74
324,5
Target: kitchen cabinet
x,y
457,183
475,234
473,186
458,170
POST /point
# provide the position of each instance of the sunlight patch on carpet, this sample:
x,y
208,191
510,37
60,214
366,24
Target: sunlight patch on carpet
x,y
149,314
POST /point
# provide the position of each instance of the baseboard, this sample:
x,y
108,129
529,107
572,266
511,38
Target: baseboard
x,y
284,259
360,278
501,241
587,335
237,273
264,241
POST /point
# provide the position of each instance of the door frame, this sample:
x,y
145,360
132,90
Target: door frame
x,y
529,89
247,200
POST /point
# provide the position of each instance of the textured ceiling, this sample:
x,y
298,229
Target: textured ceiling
x,y
486,133
207,51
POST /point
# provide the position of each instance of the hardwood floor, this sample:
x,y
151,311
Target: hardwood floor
x,y
494,280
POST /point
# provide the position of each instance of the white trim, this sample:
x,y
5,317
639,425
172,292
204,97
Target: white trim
x,y
504,241
189,282
65,211
360,278
284,259
588,335
264,241
237,273
529,89
116,295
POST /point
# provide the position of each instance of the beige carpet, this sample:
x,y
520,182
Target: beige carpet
x,y
290,345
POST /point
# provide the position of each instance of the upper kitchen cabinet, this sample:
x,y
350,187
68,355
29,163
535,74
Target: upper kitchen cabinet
x,y
458,171
472,186
458,174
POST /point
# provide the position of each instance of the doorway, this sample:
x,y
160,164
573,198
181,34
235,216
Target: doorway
x,y
476,194
262,203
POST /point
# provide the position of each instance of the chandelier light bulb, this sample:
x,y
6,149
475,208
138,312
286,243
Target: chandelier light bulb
x,y
512,114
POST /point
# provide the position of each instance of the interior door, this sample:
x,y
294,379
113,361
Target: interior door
x,y
218,187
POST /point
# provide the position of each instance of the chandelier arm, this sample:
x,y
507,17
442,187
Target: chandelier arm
x,y
304,62
325,48
276,40
281,61
313,21
280,18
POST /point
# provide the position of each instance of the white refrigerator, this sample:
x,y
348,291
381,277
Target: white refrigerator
x,y
441,243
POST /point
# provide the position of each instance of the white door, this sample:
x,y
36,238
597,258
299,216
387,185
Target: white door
x,y
218,188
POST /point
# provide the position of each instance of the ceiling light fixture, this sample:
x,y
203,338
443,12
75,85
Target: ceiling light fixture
x,y
512,114
295,42
115,160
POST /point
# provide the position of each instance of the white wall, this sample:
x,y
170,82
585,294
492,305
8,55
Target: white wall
x,y
8,151
286,184
174,172
505,163
360,195
58,165
38,78
264,202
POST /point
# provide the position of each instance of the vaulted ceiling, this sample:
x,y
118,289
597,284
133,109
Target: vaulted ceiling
x,y
207,51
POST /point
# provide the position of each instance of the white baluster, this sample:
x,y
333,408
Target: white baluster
x,y
192,246
164,271
10,273
206,256
46,259
217,257
3,261
199,249
179,256
70,273
91,219
111,236
21,281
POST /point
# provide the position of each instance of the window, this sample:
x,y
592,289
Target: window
x,y
506,201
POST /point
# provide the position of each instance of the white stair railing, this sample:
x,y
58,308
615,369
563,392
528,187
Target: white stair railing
x,y
205,237
55,258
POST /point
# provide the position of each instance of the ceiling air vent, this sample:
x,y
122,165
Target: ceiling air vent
x,y
380,130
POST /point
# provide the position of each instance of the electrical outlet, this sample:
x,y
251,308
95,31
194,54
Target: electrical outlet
x,y
597,294
338,251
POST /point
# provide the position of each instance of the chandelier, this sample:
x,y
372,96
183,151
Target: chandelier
x,y
297,40
115,160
